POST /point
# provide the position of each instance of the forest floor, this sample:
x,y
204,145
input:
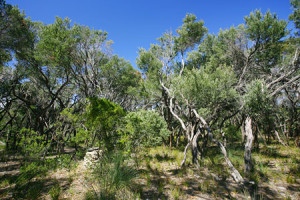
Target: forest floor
x,y
276,176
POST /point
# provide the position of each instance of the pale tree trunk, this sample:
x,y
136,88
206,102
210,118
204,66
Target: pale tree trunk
x,y
248,145
243,131
184,154
279,139
194,148
193,144
224,138
233,171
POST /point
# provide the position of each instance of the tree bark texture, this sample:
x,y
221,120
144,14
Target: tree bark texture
x,y
248,145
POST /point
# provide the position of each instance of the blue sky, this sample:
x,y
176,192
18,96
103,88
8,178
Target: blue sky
x,y
132,24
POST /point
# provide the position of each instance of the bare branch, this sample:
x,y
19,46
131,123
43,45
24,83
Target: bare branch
x,y
294,64
284,85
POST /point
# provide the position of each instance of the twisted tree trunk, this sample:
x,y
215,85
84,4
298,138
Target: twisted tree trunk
x,y
233,171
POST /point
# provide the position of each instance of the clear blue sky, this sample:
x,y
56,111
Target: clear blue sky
x,y
137,23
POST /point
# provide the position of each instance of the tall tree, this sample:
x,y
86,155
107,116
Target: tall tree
x,y
295,16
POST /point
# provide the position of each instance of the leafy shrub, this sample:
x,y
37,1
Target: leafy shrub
x,y
144,129
102,117
233,133
32,145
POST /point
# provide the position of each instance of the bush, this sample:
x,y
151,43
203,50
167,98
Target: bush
x,y
144,129
102,118
32,145
113,175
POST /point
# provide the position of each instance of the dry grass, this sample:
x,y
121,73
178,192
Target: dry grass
x,y
276,173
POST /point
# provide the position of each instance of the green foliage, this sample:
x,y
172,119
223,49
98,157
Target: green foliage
x,y
208,89
153,63
32,170
55,191
190,33
265,28
233,133
266,31
32,145
102,117
56,43
113,174
176,192
29,182
148,61
122,76
66,161
103,112
256,98
295,16
144,129
60,67
70,122
216,50
16,34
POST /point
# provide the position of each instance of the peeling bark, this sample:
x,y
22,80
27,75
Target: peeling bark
x,y
248,145
243,131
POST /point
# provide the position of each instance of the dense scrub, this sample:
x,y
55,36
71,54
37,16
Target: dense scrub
x,y
203,116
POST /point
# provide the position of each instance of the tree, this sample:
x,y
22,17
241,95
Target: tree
x,y
190,34
295,16
16,34
16,44
158,64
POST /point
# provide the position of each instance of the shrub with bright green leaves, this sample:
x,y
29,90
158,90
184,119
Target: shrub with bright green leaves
x,y
144,128
32,144
233,133
102,118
